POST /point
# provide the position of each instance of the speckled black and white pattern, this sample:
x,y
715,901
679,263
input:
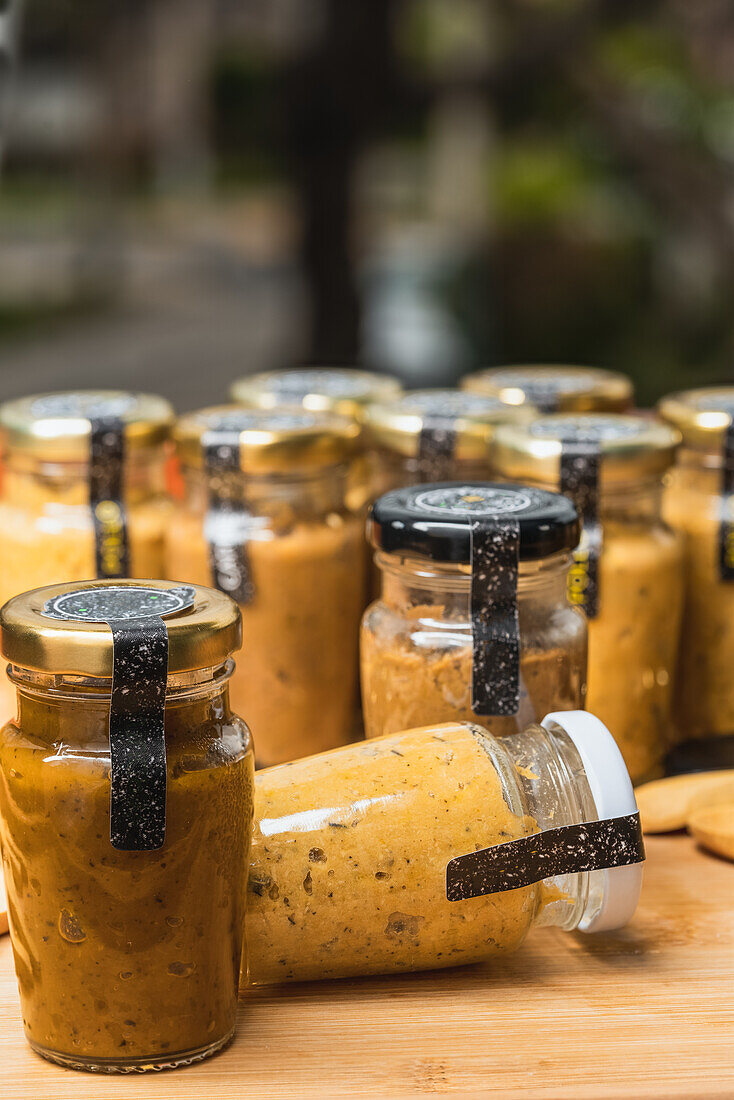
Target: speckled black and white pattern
x,y
568,850
225,525
137,742
495,555
106,464
579,481
726,528
436,447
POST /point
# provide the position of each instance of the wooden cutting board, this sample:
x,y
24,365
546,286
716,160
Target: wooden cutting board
x,y
646,1012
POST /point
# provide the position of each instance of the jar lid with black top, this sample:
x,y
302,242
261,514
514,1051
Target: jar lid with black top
x,y
555,388
435,521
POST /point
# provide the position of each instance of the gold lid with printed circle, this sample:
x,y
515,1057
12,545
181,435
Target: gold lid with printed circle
x,y
555,387
631,447
343,390
473,417
56,427
203,634
702,416
270,441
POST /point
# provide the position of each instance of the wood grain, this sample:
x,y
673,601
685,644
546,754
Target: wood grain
x,y
642,1013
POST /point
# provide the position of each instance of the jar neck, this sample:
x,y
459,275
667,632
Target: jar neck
x,y
554,790
28,482
51,704
626,501
313,492
700,461
411,581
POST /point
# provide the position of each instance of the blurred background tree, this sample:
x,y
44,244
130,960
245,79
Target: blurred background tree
x,y
421,185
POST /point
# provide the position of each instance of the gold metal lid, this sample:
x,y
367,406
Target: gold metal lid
x,y
270,440
555,388
631,446
203,635
472,416
701,416
341,390
55,427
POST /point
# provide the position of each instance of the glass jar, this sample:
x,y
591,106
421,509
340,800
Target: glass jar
x,y
699,503
435,435
555,388
342,390
351,849
68,515
422,649
266,519
628,575
127,954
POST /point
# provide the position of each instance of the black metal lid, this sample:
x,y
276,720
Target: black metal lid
x,y
435,520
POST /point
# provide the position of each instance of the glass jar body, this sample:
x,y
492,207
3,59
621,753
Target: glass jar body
x,y
296,677
47,527
350,848
125,960
694,506
633,640
416,647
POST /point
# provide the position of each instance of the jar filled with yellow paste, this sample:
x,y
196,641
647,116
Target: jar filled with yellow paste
x,y
126,800
628,571
342,390
699,503
436,435
473,622
555,388
437,847
266,520
83,491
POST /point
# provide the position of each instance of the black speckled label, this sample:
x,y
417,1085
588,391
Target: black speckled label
x,y
137,704
436,447
106,464
495,554
227,523
579,480
568,850
137,741
726,527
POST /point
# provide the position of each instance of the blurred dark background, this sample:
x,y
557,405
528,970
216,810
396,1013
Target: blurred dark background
x,y
192,190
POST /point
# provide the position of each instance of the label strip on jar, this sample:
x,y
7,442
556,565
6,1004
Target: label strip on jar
x,y
726,529
135,615
568,850
106,466
436,448
227,523
579,480
495,556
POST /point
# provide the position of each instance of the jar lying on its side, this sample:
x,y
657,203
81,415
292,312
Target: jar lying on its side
x,y
421,647
127,956
555,388
266,520
83,491
699,503
351,848
628,576
435,435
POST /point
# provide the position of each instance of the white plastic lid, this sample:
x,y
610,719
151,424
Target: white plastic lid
x,y
613,795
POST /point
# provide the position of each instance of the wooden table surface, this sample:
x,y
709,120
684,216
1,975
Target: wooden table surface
x,y
641,1013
